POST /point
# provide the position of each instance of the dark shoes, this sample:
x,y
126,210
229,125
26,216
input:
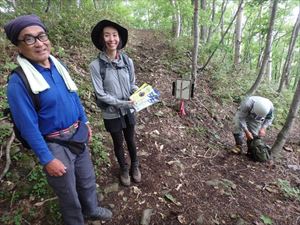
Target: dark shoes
x,y
136,174
100,214
124,177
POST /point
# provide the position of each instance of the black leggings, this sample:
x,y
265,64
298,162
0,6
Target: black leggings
x,y
118,139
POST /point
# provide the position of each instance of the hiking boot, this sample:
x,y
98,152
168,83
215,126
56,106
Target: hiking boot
x,y
100,214
237,149
124,177
136,174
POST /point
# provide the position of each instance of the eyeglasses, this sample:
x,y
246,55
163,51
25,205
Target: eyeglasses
x,y
30,40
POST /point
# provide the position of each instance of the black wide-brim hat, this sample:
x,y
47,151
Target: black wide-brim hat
x,y
97,30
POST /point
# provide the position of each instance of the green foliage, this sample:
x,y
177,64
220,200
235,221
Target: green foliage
x,y
5,132
200,131
147,15
15,218
178,60
18,216
54,215
231,85
289,191
266,220
69,31
39,185
98,149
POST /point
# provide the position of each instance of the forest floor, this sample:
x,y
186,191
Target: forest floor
x,y
189,175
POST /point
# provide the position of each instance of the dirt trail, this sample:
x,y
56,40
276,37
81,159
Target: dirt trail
x,y
188,175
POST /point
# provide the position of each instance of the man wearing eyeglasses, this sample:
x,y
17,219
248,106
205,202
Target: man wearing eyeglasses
x,y
70,175
253,117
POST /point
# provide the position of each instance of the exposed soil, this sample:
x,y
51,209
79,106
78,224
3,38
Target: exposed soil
x,y
189,175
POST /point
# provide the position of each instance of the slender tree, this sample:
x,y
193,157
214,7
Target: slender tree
x,y
238,37
268,71
222,38
248,54
176,19
196,40
283,134
267,50
203,28
48,6
213,13
287,65
224,5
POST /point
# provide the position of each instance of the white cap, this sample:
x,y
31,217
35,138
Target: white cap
x,y
261,106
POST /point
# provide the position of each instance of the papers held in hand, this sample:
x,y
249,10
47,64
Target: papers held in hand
x,y
145,96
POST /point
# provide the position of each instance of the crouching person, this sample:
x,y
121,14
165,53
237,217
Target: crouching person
x,y
253,117
59,118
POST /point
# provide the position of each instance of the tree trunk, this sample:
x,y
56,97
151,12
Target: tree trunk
x,y
268,73
238,37
283,134
222,38
222,20
260,58
267,50
48,6
213,13
196,41
287,65
203,29
247,53
176,19
13,3
95,4
297,79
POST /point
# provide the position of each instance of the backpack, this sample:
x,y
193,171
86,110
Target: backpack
x,y
35,99
258,150
103,66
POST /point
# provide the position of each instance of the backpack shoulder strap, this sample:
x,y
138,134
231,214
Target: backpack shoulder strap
x,y
102,66
35,97
127,62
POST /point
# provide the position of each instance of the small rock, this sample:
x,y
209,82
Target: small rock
x,y
288,149
240,221
146,216
294,167
112,206
97,222
112,188
200,220
100,197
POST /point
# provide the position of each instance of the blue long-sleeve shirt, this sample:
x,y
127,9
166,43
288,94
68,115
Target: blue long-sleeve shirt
x,y
59,109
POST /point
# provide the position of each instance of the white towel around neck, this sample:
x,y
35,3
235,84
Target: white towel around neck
x,y
35,79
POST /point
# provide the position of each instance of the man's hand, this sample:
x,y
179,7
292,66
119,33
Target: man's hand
x,y
249,135
262,132
56,168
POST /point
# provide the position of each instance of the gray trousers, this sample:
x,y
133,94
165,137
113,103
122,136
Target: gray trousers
x,y
76,190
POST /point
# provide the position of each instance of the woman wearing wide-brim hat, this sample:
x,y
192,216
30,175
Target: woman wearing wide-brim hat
x,y
113,79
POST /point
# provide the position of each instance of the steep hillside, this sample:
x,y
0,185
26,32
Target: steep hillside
x,y
189,175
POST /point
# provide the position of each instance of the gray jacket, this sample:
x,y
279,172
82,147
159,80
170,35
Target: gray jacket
x,y
244,120
117,86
